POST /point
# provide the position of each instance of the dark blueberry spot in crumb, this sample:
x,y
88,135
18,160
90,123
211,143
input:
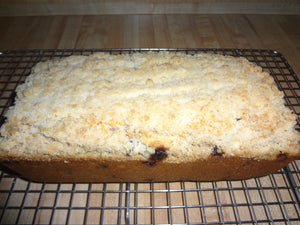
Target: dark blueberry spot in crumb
x,y
238,119
102,166
248,162
148,163
282,156
217,151
160,154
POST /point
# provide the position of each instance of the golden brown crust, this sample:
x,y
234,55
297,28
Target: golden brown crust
x,y
213,168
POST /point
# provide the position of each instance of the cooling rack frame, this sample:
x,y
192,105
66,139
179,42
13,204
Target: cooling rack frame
x,y
273,199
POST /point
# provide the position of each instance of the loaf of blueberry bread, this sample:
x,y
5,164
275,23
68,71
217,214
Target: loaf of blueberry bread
x,y
148,116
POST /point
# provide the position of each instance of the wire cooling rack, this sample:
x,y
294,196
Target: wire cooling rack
x,y
273,199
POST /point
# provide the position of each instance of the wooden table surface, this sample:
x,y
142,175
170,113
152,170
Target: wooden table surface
x,y
276,32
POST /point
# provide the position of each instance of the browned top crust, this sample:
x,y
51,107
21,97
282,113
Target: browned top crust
x,y
144,105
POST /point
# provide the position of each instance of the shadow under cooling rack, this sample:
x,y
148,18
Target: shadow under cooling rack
x,y
272,199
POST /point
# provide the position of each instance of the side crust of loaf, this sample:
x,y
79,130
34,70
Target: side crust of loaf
x,y
148,116
212,168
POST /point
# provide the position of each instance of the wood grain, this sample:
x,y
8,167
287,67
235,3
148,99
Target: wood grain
x,y
277,32
101,7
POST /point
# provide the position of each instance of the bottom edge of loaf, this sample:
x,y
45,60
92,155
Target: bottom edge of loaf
x,y
211,169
